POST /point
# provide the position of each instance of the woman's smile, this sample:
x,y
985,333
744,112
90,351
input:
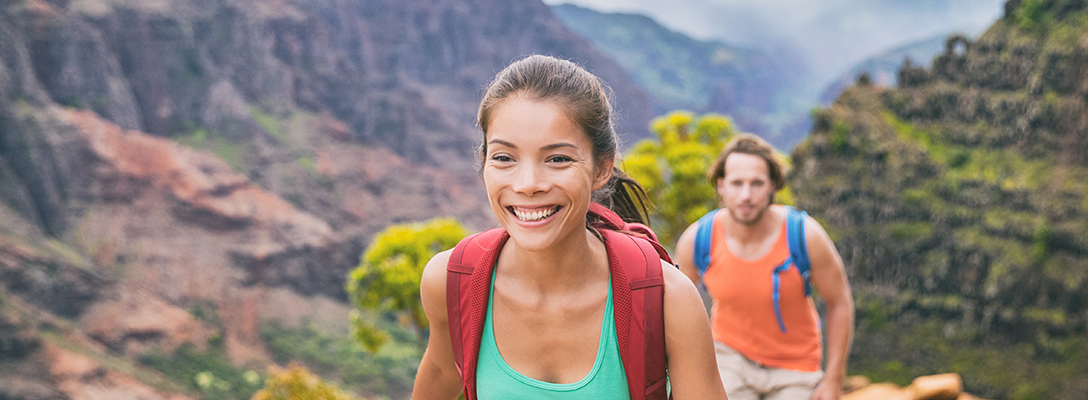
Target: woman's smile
x,y
533,214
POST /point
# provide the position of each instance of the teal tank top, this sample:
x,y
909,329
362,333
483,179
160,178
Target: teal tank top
x,y
495,379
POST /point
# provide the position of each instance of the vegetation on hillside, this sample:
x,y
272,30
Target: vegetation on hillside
x,y
959,202
342,361
207,372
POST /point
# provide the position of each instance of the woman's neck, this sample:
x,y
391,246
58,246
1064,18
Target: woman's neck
x,y
572,263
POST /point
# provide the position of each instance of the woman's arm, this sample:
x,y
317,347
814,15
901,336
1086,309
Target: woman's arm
x,y
437,377
829,277
689,348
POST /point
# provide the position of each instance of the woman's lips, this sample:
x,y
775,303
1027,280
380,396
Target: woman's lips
x,y
533,214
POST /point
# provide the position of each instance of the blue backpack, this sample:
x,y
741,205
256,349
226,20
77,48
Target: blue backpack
x,y
795,230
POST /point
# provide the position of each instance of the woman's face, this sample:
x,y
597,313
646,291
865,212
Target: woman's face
x,y
539,172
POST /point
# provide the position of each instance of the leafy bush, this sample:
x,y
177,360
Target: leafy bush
x,y
387,280
297,383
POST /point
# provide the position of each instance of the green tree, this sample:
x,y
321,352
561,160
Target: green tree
x,y
672,168
297,383
387,279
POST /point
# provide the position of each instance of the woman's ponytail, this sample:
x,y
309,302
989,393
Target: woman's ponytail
x,y
624,196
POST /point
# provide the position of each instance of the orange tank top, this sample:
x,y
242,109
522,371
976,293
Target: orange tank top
x,y
743,313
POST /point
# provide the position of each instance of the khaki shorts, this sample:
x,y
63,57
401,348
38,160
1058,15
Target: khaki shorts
x,y
745,379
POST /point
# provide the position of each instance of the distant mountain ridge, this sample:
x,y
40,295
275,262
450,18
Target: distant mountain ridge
x,y
684,73
883,68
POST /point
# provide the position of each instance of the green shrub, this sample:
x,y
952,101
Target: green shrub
x,y
297,383
840,137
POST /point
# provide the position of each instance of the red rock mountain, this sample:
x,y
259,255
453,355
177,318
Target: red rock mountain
x,y
236,155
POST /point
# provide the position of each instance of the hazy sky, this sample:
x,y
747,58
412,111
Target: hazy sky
x,y
832,35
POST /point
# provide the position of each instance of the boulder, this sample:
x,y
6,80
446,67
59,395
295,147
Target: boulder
x,y
936,387
879,391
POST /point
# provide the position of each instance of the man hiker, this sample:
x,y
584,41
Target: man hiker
x,y
757,260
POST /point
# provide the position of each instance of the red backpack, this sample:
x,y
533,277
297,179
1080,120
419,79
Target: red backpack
x,y
637,295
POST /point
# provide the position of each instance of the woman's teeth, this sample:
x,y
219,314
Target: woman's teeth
x,y
535,215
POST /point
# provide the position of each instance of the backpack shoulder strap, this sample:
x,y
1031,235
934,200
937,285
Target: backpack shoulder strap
x,y
795,229
468,282
638,290
610,220
701,253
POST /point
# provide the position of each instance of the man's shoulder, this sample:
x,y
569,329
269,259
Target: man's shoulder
x,y
777,214
814,231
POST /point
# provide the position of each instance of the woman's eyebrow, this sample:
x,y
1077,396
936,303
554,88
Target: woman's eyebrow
x,y
558,145
544,148
503,143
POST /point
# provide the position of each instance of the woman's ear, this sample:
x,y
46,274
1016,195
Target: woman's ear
x,y
604,173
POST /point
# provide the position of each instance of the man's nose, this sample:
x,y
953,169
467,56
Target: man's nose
x,y
745,191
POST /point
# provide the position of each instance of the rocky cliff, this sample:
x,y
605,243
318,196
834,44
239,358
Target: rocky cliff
x,y
177,173
959,202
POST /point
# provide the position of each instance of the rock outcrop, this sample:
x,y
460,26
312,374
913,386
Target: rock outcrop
x,y
932,387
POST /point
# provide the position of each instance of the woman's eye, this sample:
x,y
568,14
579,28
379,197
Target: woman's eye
x,y
560,159
501,158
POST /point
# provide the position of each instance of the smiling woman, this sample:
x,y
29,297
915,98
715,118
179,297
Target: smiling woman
x,y
554,303
539,171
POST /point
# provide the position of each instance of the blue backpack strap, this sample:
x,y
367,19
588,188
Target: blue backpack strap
x,y
795,226
795,232
701,254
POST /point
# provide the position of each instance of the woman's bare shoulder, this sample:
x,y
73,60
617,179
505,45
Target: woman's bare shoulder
x,y
674,278
432,287
436,267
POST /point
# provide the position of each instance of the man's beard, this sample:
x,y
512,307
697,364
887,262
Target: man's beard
x,y
755,218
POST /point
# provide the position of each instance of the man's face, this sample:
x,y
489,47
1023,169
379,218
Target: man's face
x,y
746,188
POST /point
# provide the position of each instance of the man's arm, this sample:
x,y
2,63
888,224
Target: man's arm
x,y
829,277
437,377
685,253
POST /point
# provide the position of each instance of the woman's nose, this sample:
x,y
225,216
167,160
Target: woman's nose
x,y
530,180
